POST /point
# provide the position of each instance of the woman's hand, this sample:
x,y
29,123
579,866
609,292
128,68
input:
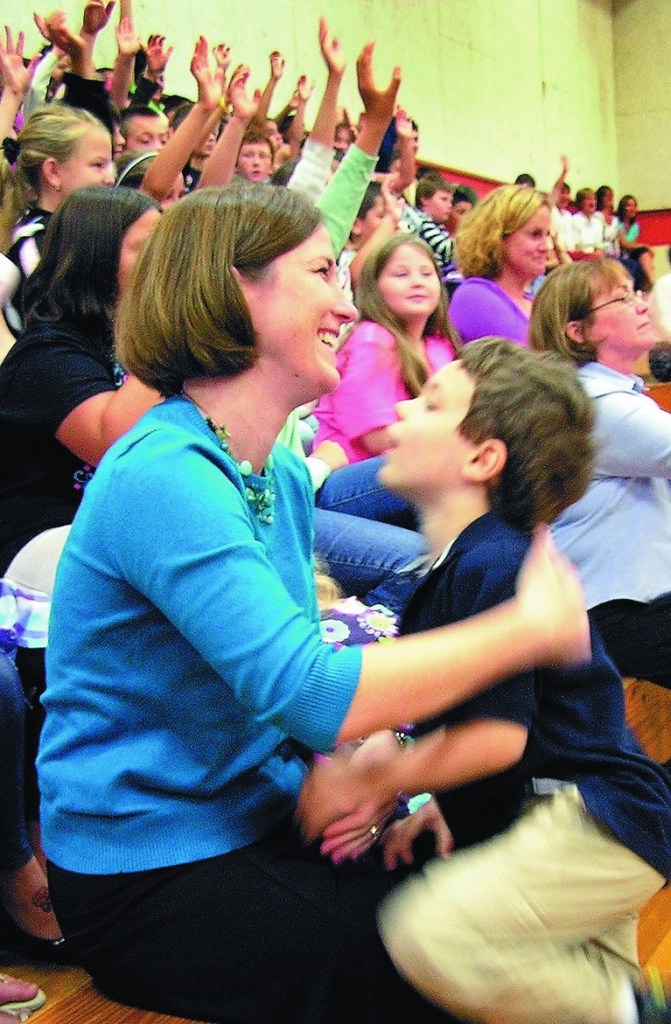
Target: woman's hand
x,y
400,835
551,598
345,798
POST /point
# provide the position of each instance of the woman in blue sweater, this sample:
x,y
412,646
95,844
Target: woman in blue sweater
x,y
187,682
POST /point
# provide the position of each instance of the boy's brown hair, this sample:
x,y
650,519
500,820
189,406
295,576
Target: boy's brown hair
x,y
535,404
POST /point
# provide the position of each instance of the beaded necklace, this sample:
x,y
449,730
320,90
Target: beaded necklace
x,y
259,490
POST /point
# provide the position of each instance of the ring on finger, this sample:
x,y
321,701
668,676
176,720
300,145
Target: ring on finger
x,y
374,831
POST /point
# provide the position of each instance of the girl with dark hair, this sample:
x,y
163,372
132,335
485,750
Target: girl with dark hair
x,y
62,403
403,336
639,255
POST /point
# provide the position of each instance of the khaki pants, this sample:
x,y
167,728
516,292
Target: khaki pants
x,y
536,926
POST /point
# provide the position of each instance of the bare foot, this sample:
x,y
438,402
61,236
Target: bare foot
x,y
25,896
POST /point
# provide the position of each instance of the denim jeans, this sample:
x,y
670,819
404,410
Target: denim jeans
x,y
365,536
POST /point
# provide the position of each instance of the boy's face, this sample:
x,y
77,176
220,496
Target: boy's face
x,y
426,448
438,206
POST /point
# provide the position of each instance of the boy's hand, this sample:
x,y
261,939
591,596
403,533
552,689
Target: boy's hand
x,y
157,57
400,835
552,604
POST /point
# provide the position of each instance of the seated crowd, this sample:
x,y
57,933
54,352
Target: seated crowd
x,y
283,361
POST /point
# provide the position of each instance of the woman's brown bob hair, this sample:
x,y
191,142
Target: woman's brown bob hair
x,y
565,298
184,314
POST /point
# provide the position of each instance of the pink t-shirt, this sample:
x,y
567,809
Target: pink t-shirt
x,y
370,387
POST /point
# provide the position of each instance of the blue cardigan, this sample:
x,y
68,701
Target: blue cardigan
x,y
184,651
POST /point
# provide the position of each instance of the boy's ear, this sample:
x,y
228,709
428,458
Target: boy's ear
x,y
486,462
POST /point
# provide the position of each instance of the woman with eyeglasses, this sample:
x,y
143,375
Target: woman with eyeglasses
x,y
619,533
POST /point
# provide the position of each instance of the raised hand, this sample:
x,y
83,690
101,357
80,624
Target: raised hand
x,y
304,89
244,106
96,16
331,50
55,30
276,65
16,76
403,124
210,82
128,41
157,57
222,55
379,104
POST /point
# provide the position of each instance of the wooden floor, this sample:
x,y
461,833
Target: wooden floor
x,y
72,999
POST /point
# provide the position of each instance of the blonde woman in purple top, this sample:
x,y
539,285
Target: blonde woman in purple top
x,y
501,248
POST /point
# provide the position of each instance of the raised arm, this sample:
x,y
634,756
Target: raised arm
x,y
323,130
16,77
296,130
407,170
342,196
220,166
96,16
276,71
388,226
129,44
555,192
160,178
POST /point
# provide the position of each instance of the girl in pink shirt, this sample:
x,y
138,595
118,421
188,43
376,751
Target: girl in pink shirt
x,y
404,336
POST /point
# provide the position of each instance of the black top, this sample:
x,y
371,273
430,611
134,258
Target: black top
x,y
46,374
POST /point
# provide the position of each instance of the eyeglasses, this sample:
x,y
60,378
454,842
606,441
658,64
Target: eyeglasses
x,y
629,298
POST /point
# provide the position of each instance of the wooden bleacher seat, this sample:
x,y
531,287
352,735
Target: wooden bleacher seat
x,y
649,715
